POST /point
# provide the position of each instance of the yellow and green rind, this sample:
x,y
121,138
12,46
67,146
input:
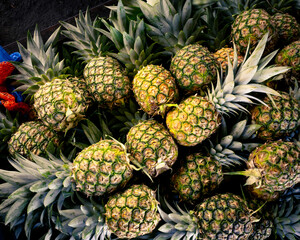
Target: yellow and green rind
x,y
151,145
193,121
101,168
193,67
107,82
132,213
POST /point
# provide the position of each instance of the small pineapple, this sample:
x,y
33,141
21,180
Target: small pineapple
x,y
197,118
105,77
278,117
193,67
287,27
101,168
251,26
222,57
25,138
224,215
273,167
290,56
154,88
32,137
152,147
133,212
60,104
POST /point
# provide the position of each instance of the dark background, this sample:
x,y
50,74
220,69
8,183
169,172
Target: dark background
x,y
19,16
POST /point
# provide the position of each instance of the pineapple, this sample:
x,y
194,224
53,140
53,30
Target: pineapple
x,y
290,56
106,79
193,67
222,57
272,168
287,27
278,117
196,118
222,216
59,103
133,212
152,147
101,168
200,175
154,88
251,26
28,137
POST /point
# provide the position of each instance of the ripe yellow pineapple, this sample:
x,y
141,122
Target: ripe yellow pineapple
x,y
154,88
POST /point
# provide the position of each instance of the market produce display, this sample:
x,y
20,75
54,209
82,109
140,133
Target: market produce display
x,y
167,119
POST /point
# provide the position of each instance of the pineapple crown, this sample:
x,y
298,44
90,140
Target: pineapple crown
x,y
85,37
85,221
40,62
8,126
129,37
172,26
34,191
228,144
236,88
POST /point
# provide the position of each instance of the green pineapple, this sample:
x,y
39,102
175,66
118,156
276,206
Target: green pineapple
x,y
25,138
272,168
200,175
197,118
290,56
251,26
133,212
152,147
59,104
278,117
105,77
101,168
154,88
193,67
222,216
287,27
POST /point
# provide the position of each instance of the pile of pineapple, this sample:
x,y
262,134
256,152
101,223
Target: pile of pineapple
x,y
169,119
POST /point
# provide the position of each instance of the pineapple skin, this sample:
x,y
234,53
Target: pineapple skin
x,y
278,163
107,82
224,216
34,137
101,168
290,56
288,28
153,87
193,67
222,57
199,176
60,104
252,25
151,145
279,120
132,213
193,121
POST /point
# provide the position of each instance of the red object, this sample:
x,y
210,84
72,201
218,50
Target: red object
x,y
6,68
7,99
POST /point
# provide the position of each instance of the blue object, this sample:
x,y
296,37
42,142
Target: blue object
x,y
5,57
18,95
16,56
